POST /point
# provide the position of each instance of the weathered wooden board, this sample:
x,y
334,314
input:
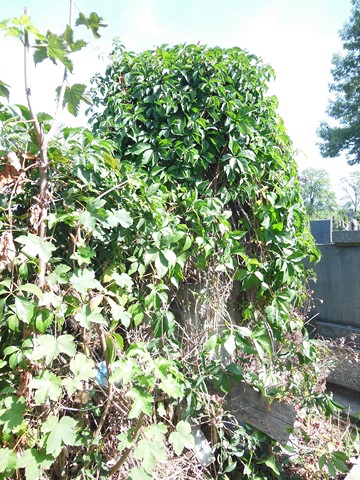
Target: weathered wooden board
x,y
275,419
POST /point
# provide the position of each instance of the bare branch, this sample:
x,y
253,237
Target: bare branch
x,y
27,86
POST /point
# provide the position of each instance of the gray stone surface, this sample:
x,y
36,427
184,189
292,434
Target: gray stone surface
x,y
337,289
321,231
346,237
336,330
354,473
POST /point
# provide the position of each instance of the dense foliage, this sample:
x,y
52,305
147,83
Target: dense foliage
x,y
345,106
212,136
147,266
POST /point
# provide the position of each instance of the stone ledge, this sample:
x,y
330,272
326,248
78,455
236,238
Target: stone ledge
x,y
346,237
354,473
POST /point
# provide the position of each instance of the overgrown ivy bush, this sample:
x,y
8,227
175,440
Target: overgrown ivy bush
x,y
146,265
198,123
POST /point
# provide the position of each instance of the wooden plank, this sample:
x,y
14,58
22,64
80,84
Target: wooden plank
x,y
275,419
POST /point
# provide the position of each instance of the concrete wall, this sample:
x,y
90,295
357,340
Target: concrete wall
x,y
337,289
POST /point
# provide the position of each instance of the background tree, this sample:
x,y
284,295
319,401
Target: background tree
x,y
351,186
319,199
345,106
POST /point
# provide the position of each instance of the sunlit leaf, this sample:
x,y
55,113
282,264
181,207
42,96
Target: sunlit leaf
x,y
93,22
47,385
141,402
181,438
35,246
82,367
4,91
34,462
151,453
60,432
12,415
83,280
49,347
73,96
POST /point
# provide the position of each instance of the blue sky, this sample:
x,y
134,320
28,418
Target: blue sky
x,y
297,38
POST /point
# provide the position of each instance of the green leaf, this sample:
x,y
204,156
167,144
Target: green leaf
x,y
8,460
49,347
47,385
86,316
24,309
72,385
12,415
93,22
125,441
31,288
123,280
151,453
118,312
83,255
244,331
339,459
55,49
140,148
119,340
121,216
4,91
156,432
331,468
68,36
182,437
322,460
124,370
141,403
83,280
111,161
230,344
271,463
43,320
73,96
35,246
34,462
139,474
171,386
58,275
82,367
60,432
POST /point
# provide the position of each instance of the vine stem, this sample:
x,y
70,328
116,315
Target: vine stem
x,y
127,451
110,391
43,140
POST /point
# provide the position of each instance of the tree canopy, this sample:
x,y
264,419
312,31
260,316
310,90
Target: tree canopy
x,y
344,107
319,199
351,186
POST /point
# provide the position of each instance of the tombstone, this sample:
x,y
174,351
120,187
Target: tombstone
x,y
321,230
